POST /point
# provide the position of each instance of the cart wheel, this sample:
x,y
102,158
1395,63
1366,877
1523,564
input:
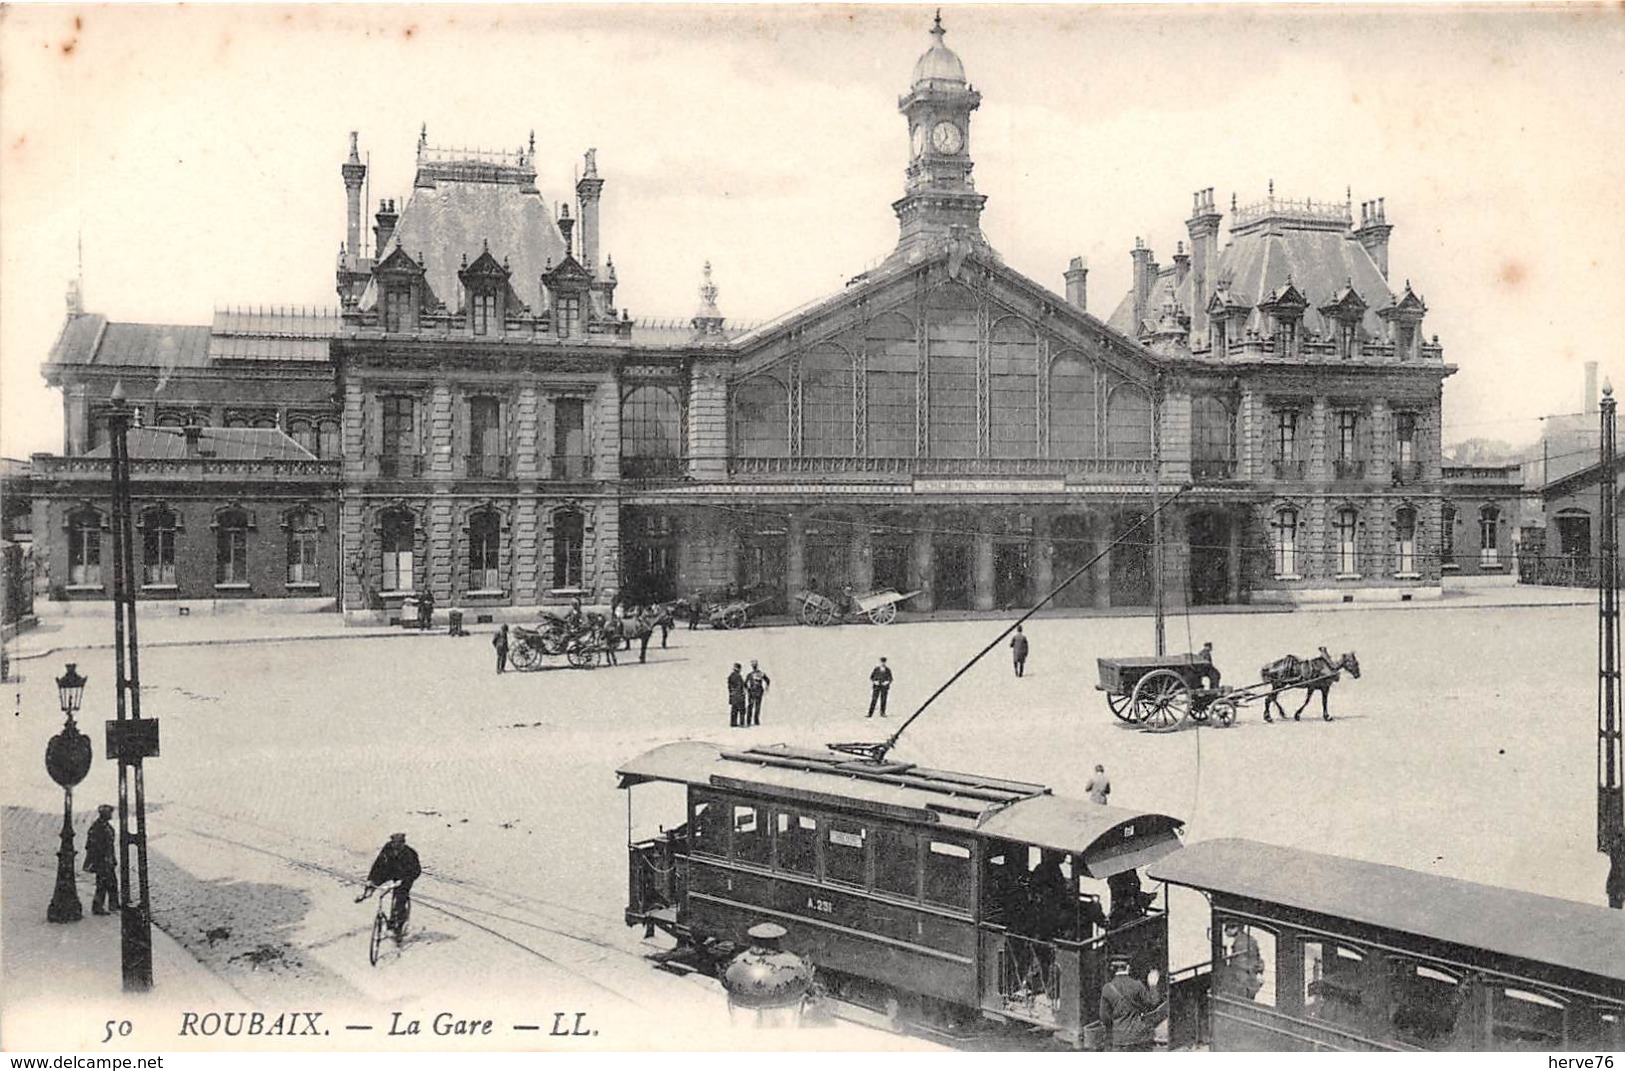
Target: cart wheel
x,y
827,614
1162,700
1224,712
553,640
526,656
734,618
377,937
810,614
883,615
582,656
1121,706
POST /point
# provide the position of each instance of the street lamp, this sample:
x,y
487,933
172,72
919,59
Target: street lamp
x,y
67,760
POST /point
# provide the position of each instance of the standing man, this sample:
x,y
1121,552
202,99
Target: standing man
x,y
500,642
1127,1009
396,862
101,860
696,610
664,621
1018,651
1099,786
646,630
736,699
756,685
425,609
880,685
612,638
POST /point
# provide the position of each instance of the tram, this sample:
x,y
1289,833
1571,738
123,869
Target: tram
x,y
942,898
1313,952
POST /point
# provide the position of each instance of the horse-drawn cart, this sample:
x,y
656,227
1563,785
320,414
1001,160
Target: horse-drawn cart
x,y
1160,692
736,614
879,607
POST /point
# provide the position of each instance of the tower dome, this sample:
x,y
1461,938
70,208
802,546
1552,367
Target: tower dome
x,y
938,64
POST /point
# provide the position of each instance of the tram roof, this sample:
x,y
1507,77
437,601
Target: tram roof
x,y
1542,929
1107,839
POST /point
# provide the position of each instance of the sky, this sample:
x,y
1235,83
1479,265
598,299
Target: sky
x,y
193,154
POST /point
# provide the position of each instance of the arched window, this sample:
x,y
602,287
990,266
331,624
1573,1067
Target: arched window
x,y
1013,383
892,394
1246,965
1346,538
158,525
952,331
397,530
1284,542
265,422
1336,981
1489,523
1427,999
1128,422
231,547
327,440
1405,540
826,403
1071,408
304,547
1212,438
303,433
485,550
85,548
761,418
651,431
569,542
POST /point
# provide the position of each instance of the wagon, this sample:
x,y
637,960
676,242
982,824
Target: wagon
x,y
736,614
880,607
1159,692
582,648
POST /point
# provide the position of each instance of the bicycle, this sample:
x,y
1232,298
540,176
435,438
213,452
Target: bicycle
x,y
380,920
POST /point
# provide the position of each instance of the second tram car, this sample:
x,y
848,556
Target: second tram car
x,y
941,897
1313,952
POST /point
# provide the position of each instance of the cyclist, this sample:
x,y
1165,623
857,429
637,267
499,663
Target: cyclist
x,y
396,862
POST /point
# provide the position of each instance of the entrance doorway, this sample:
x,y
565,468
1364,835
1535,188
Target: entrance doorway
x,y
1209,558
1131,562
951,562
1074,547
1012,566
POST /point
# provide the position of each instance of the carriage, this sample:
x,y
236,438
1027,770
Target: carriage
x,y
582,646
879,607
1161,692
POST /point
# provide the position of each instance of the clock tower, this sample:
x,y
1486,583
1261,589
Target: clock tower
x,y
940,204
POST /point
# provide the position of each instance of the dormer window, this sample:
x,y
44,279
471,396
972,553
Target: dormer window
x,y
1405,341
1348,339
484,312
398,308
567,315
1286,337
1221,338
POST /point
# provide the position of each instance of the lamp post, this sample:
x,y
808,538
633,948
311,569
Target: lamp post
x,y
67,760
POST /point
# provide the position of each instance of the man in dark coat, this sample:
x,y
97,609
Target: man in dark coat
x,y
1128,1010
696,611
756,685
425,609
102,860
1018,651
500,642
736,698
396,862
613,634
879,688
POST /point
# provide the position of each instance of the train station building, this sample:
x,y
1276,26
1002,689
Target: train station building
x,y
478,417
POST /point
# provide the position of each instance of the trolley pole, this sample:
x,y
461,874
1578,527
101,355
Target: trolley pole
x,y
130,737
1610,802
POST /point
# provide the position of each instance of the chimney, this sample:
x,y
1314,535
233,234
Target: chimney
x,y
354,172
1374,231
588,189
385,230
1591,388
1182,264
1203,227
1145,272
1077,283
566,227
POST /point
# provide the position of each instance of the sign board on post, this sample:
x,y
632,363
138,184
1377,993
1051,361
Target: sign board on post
x,y
132,739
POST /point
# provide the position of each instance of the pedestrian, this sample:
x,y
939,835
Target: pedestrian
x,y
398,862
756,685
736,699
612,638
102,860
1099,786
646,631
500,642
1018,651
880,685
629,616
664,620
425,609
1127,1010
696,610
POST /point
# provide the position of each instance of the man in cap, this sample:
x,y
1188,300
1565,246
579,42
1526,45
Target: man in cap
x,y
1018,651
1099,786
1243,962
396,862
880,686
102,860
756,685
736,698
1128,1010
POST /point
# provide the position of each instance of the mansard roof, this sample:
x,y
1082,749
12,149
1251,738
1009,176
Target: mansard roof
x,y
264,334
88,338
459,212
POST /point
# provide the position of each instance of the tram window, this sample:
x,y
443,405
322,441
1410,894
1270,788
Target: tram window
x,y
1521,1021
751,843
897,862
798,842
843,853
1247,958
1424,1004
947,875
1334,984
709,831
1597,1028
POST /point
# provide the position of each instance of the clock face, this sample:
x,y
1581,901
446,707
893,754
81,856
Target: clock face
x,y
919,140
945,137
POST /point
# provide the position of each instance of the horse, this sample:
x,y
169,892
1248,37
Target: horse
x,y
1316,674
